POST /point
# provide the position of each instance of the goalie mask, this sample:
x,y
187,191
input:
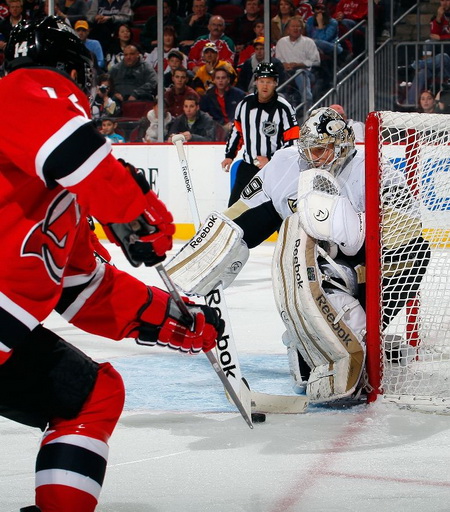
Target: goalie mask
x,y
326,140
50,42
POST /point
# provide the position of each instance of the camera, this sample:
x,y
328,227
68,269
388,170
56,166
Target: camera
x,y
103,88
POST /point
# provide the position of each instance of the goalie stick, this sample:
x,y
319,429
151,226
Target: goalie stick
x,y
189,320
226,346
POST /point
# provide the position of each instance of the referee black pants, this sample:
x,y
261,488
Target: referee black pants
x,y
244,174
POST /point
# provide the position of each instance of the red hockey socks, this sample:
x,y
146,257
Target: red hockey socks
x,y
71,463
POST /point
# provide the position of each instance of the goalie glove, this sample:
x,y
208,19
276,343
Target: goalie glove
x,y
161,323
326,215
147,238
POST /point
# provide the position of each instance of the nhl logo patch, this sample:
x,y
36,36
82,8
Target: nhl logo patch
x,y
311,273
269,128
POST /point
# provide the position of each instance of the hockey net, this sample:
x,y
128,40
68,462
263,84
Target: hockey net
x,y
408,258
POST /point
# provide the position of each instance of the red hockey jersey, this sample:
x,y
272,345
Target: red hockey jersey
x,y
55,167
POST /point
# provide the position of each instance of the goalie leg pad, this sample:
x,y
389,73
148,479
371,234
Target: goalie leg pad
x,y
216,254
327,327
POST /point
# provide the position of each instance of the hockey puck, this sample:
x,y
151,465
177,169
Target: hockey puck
x,y
258,417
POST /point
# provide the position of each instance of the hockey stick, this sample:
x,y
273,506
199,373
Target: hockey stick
x,y
189,320
226,346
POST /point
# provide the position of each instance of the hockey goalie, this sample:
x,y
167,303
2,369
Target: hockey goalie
x,y
313,193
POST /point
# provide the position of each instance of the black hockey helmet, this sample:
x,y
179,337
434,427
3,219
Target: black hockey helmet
x,y
52,43
266,69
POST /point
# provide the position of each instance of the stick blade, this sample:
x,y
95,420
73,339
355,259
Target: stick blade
x,y
278,404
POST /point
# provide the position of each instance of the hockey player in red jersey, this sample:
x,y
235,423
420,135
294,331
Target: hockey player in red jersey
x,y
55,170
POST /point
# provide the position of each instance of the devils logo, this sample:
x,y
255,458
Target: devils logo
x,y
48,239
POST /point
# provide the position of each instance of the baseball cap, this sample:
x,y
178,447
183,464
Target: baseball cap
x,y
81,24
210,46
175,53
258,40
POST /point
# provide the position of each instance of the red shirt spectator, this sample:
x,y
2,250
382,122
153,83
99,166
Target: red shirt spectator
x,y
178,91
440,24
304,9
355,10
4,13
216,35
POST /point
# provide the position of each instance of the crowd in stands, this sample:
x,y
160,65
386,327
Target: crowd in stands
x,y
211,49
428,84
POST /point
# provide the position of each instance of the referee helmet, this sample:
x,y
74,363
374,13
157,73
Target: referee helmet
x,y
266,69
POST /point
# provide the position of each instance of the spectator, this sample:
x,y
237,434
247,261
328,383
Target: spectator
x,y
427,103
105,17
82,29
34,9
440,23
149,33
349,13
109,127
241,30
221,100
358,126
203,78
286,10
122,38
58,13
169,44
175,60
178,92
276,127
323,29
4,13
133,79
104,105
195,125
427,70
194,25
305,10
298,52
151,134
217,36
443,99
72,10
249,50
15,8
246,79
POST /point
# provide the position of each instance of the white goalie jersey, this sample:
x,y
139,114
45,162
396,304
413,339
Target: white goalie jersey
x,y
276,187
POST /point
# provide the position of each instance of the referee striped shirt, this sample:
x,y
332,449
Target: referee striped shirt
x,y
262,128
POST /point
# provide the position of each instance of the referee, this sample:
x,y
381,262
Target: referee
x,y
264,122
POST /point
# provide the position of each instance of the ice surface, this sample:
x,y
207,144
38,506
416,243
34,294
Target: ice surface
x,y
180,446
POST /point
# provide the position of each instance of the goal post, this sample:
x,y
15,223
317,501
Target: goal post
x,y
408,258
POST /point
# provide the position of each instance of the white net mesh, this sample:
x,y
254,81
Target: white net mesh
x,y
414,166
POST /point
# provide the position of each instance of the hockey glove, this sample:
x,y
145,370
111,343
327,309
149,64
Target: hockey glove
x,y
162,323
147,238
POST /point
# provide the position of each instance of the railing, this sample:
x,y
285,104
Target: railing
x,y
350,82
303,106
419,66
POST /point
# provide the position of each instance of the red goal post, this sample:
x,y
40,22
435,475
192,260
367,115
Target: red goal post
x,y
408,258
